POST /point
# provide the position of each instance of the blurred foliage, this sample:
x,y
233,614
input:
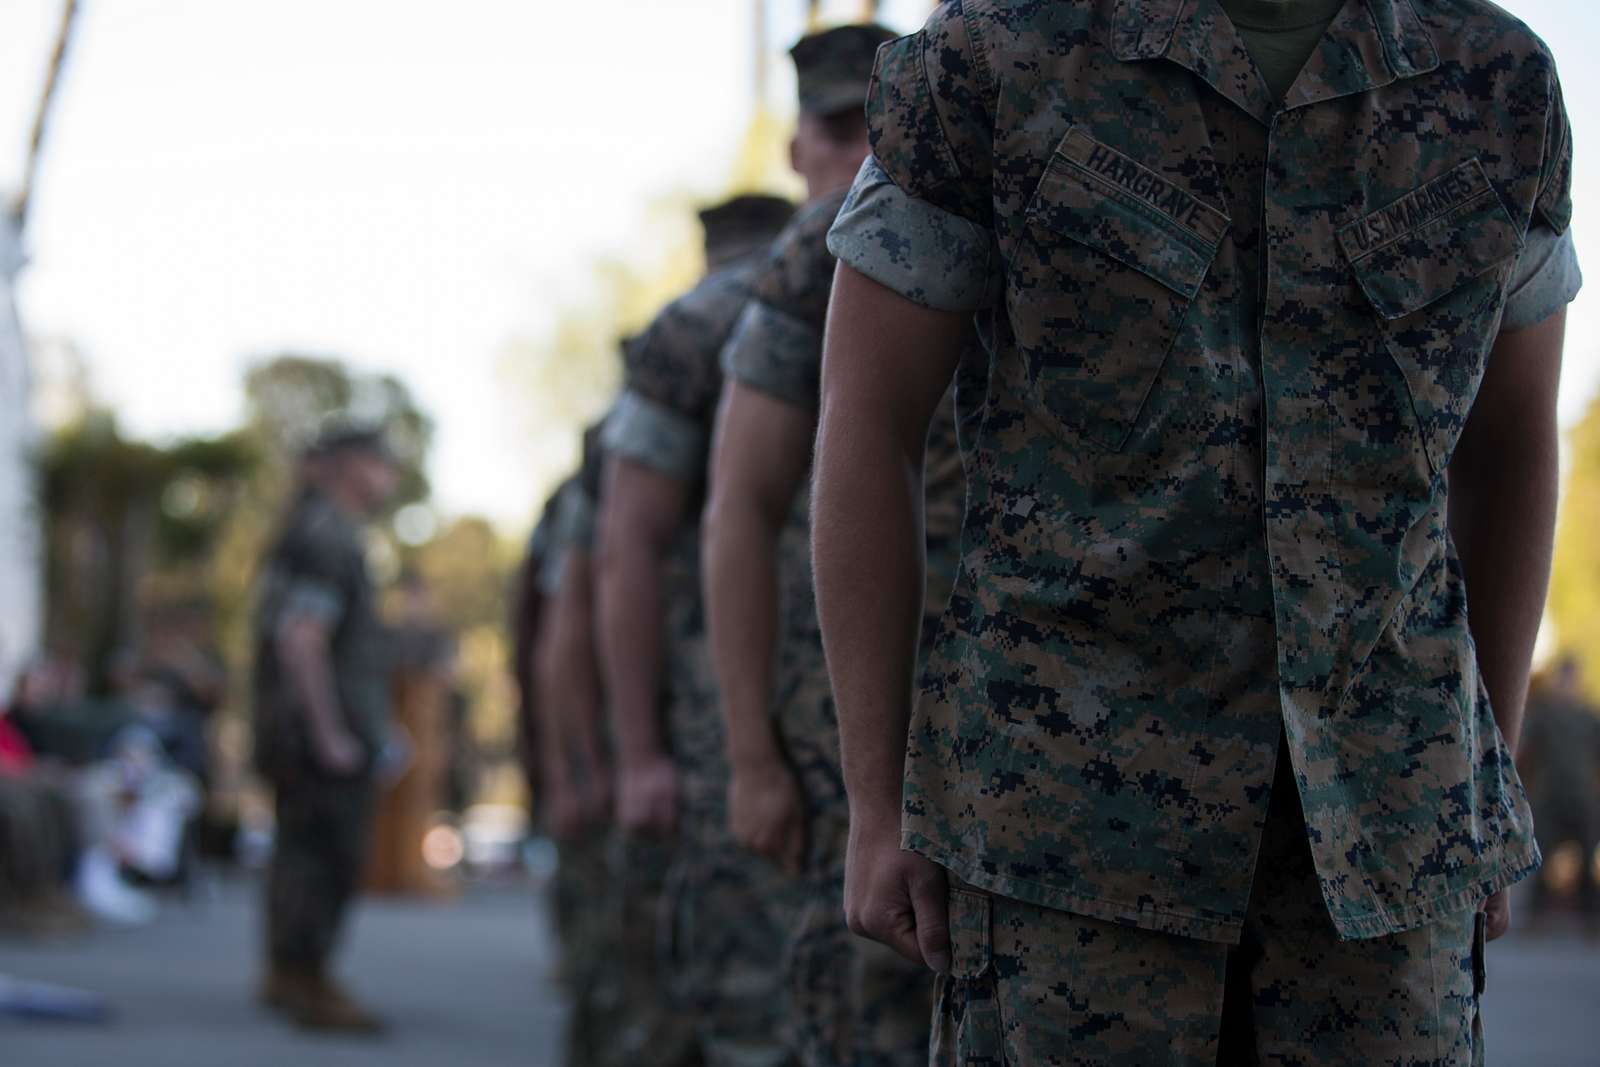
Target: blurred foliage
x,y
467,568
1575,585
566,375
116,510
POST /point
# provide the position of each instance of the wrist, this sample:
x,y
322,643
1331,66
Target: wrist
x,y
875,813
756,752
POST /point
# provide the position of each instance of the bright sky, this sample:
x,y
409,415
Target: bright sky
x,y
411,185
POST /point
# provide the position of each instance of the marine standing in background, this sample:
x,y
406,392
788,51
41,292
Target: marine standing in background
x,y
322,707
1210,764
1560,758
852,1001
725,931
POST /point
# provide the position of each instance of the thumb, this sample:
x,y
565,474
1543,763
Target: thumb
x,y
931,904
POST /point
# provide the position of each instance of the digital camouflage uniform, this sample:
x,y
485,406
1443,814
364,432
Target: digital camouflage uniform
x,y
610,886
854,1001
721,933
317,568
581,904
1233,346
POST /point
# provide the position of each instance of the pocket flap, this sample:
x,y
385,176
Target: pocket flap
x,y
1093,194
1435,239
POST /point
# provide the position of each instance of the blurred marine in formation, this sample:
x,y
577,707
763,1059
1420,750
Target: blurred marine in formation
x,y
321,706
724,933
1210,764
851,1001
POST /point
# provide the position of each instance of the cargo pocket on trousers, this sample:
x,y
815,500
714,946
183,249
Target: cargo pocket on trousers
x,y
969,1031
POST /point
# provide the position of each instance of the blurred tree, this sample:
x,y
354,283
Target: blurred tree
x,y
118,511
1575,585
468,568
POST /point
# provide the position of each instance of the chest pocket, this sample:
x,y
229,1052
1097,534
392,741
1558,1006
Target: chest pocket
x,y
1434,266
1110,260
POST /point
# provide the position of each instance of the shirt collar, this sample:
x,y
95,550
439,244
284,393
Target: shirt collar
x,y
1370,44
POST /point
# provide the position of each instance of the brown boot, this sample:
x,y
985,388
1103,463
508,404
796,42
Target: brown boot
x,y
328,1008
282,988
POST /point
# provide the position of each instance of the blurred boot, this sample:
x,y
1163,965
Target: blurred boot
x,y
284,987
328,1008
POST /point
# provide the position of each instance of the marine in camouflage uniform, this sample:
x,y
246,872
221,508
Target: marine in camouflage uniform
x,y
615,887
853,1001
720,934
580,897
1203,742
316,575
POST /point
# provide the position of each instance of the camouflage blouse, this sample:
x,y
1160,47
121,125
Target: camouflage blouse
x,y
1235,341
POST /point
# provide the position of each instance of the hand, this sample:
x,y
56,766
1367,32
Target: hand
x,y
596,796
338,752
768,813
1497,915
562,810
647,795
893,896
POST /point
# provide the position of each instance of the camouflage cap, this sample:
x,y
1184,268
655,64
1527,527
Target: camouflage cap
x,y
835,66
743,224
340,435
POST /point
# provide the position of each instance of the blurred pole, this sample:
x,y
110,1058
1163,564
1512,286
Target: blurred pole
x,y
813,14
41,118
760,73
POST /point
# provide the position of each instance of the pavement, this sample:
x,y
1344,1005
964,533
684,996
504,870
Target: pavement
x,y
470,984
464,984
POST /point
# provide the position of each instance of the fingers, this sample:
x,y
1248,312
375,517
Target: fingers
x,y
1497,917
930,903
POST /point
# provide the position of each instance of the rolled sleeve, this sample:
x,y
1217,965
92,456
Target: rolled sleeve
x,y
775,353
926,254
656,436
309,598
1546,280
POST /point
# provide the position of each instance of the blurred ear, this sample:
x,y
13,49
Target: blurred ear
x,y
795,153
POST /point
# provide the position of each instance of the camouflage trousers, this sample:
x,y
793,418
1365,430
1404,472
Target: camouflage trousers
x,y
723,944
1031,986
853,1002
608,899
322,836
583,911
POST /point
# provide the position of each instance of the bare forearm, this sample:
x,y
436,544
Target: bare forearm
x,y
304,653
1503,522
741,576
632,621
868,546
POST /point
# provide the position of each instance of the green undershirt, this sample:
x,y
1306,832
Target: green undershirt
x,y
1281,34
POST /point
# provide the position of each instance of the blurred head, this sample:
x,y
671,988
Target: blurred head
x,y
827,150
833,70
742,225
356,467
365,478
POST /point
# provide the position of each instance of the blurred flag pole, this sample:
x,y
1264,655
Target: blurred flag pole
x,y
41,118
